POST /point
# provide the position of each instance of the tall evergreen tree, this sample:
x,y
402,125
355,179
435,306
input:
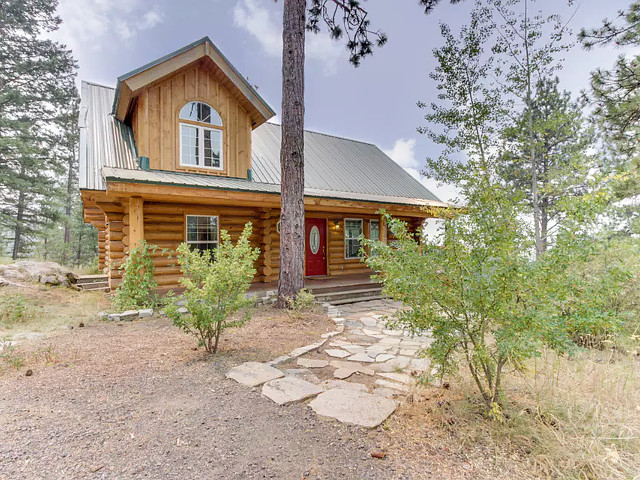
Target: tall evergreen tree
x,y
561,139
341,18
36,90
615,96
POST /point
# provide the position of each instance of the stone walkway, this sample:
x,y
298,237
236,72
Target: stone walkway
x,y
356,374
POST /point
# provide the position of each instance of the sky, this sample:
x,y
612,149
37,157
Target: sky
x,y
375,102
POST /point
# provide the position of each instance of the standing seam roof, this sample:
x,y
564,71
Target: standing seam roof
x,y
349,168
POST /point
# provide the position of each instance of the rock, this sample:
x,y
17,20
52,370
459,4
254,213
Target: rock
x,y
357,408
103,315
128,315
182,310
330,334
289,389
279,360
420,364
114,317
302,374
253,374
368,321
28,373
334,352
311,363
358,387
352,366
383,357
361,357
400,361
395,333
386,392
306,349
393,385
49,279
353,348
146,312
390,341
410,352
398,377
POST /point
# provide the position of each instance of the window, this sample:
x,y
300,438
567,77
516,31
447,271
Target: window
x,y
374,230
202,232
201,137
352,232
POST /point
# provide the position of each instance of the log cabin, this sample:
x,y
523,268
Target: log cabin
x,y
182,148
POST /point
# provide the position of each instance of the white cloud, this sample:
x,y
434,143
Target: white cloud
x,y
403,153
86,22
266,28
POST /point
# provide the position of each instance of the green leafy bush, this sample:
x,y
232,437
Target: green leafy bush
x,y
215,285
138,287
302,301
15,308
483,297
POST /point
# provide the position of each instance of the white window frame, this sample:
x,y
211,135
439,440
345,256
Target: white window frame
x,y
200,132
186,232
351,238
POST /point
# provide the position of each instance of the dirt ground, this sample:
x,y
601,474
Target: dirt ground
x,y
134,400
138,400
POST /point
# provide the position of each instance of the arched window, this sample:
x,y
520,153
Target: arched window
x,y
200,136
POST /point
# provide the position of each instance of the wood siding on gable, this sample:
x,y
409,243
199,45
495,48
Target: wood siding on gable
x,y
155,121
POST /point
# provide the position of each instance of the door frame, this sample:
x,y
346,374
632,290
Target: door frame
x,y
326,243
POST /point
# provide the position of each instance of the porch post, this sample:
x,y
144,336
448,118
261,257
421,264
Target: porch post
x,y
136,222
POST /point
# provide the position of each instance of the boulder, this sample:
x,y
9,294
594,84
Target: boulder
x,y
48,273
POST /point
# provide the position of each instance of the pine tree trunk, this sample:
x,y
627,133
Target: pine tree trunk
x,y
67,213
291,278
17,238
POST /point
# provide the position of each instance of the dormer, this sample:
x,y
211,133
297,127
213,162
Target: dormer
x,y
192,111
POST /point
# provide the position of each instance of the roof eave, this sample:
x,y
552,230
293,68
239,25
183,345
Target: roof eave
x,y
251,94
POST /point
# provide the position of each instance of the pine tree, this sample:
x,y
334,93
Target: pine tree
x,y
341,18
561,139
36,88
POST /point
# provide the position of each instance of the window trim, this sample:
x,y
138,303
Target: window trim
x,y
186,224
201,128
344,223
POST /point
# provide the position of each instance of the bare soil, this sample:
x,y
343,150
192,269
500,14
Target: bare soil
x,y
135,400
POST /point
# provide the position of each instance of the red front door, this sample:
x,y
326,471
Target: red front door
x,y
315,247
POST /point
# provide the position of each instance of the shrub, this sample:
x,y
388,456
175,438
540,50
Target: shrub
x,y
482,296
10,355
15,308
215,285
138,287
302,301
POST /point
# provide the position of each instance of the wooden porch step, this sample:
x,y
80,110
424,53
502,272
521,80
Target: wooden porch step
x,y
93,283
318,291
332,297
357,299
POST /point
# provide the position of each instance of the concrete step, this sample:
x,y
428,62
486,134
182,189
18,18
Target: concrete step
x,y
343,295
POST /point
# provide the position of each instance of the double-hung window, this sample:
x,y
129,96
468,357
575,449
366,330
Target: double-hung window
x,y
202,232
201,136
374,232
352,233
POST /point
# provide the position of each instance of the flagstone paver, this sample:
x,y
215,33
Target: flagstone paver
x,y
334,352
312,363
378,366
253,374
357,408
289,390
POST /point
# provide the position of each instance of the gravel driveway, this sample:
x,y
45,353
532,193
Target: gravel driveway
x,y
136,401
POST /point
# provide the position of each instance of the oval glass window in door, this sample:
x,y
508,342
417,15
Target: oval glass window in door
x,y
314,239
